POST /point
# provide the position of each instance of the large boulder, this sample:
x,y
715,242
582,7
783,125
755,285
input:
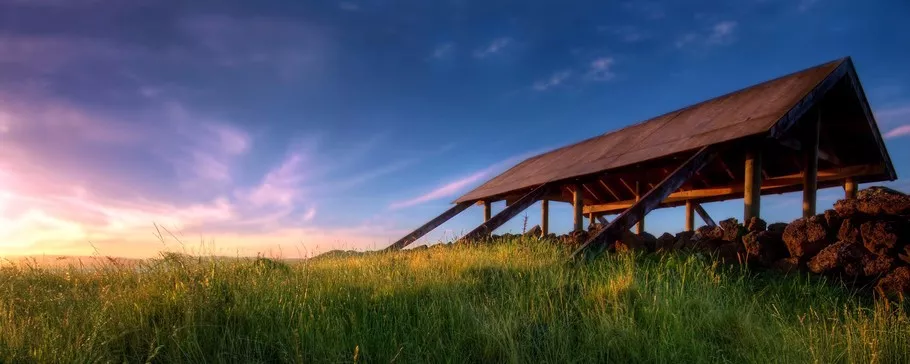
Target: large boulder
x,y
835,256
732,230
805,237
665,242
778,227
709,233
731,253
764,247
876,265
630,242
684,240
896,283
787,265
833,221
882,236
875,201
755,224
534,232
905,254
649,240
849,230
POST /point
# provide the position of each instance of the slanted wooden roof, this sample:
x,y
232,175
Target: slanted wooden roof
x,y
850,137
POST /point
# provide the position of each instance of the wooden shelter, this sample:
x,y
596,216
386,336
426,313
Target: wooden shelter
x,y
800,132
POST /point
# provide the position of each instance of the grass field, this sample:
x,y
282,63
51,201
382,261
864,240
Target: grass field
x,y
511,302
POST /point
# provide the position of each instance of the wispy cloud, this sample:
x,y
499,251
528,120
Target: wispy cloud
x,y
554,80
349,6
626,33
893,114
71,175
651,9
600,69
461,184
900,131
290,49
496,46
721,33
443,50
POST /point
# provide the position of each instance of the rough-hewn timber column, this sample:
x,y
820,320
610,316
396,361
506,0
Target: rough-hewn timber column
x,y
752,188
810,163
487,211
578,207
849,188
690,216
640,226
545,217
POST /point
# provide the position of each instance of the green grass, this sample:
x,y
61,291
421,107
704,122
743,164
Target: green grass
x,y
515,302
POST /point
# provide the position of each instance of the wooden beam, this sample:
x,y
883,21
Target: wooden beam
x,y
850,74
603,220
612,232
591,192
704,215
752,186
810,161
726,168
609,190
823,155
770,185
690,216
485,229
545,217
640,226
432,224
577,207
632,190
487,211
780,128
849,188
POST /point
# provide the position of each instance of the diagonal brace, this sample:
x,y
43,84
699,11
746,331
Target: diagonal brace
x,y
651,200
485,229
423,230
704,215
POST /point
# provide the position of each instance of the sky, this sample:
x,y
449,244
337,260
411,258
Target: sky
x,y
295,127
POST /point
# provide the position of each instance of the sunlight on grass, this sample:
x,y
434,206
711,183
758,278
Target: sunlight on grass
x,y
510,302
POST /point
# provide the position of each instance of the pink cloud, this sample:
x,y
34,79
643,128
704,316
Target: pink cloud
x,y
447,190
898,132
452,188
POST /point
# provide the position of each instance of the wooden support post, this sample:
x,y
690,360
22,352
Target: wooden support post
x,y
432,224
849,188
690,216
640,227
649,201
577,208
704,215
752,187
484,230
545,217
487,211
591,219
810,163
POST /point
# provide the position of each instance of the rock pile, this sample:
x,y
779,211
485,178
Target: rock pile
x,y
866,239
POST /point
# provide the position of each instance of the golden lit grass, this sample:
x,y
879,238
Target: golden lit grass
x,y
510,302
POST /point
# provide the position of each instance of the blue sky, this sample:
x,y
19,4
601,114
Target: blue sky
x,y
296,127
